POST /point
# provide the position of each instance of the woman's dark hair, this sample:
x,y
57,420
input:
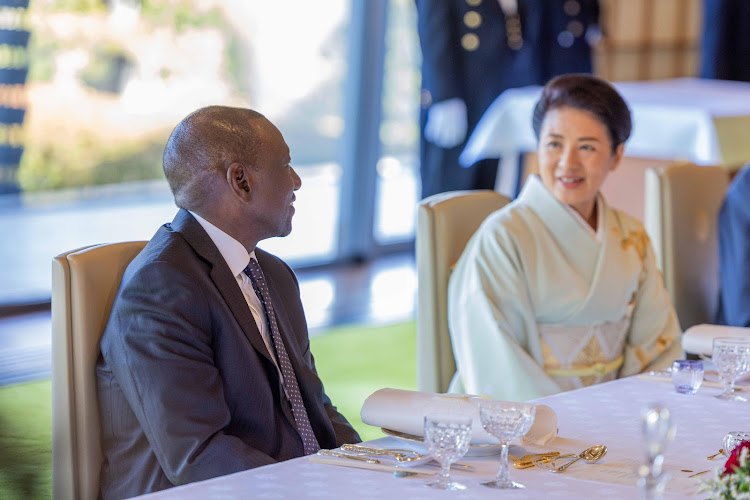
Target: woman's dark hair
x,y
587,93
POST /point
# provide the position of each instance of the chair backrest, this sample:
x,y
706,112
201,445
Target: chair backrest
x,y
681,217
84,284
445,222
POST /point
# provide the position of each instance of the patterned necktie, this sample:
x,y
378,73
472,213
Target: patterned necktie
x,y
304,428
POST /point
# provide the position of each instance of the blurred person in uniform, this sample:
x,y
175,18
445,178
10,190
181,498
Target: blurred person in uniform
x,y
734,253
725,55
472,51
725,44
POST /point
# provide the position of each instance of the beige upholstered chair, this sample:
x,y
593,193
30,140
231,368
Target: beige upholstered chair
x,y
445,222
84,283
681,215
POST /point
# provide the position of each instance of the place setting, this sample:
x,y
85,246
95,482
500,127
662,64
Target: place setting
x,y
429,434
729,363
455,442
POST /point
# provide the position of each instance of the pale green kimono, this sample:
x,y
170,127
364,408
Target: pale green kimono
x,y
539,303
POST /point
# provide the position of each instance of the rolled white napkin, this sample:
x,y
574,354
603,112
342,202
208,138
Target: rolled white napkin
x,y
404,411
699,339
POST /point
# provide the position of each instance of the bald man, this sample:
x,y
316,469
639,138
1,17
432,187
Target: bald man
x,y
205,365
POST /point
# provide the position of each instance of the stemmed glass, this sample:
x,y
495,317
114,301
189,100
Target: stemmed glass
x,y
731,358
657,431
506,421
447,437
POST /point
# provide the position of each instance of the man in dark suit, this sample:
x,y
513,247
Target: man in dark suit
x,y
472,51
205,365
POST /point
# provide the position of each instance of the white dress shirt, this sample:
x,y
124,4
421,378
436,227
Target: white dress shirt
x,y
237,259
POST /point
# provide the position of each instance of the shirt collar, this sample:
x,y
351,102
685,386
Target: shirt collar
x,y
233,251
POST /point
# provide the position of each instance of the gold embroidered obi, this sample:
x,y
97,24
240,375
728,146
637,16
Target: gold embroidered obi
x,y
579,356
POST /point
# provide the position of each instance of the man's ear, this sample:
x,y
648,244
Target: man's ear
x,y
239,181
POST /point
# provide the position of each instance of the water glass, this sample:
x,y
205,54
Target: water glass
x,y
731,358
657,431
734,438
447,436
506,421
687,375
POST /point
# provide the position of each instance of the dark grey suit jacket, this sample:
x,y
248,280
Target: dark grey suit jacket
x,y
187,388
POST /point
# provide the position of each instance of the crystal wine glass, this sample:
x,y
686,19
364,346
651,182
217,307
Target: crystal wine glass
x,y
657,431
447,437
731,358
506,420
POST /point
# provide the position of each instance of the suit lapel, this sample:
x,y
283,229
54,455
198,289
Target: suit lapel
x,y
196,236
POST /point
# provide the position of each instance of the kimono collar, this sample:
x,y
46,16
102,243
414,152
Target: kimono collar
x,y
561,219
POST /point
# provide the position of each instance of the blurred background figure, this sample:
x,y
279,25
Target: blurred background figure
x,y
726,40
472,51
725,55
734,253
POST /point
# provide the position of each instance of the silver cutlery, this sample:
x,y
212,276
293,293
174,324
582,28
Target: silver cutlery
x,y
399,454
338,454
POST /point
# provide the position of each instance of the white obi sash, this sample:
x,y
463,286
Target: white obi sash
x,y
579,356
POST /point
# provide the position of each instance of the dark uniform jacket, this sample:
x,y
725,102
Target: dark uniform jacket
x,y
466,54
725,51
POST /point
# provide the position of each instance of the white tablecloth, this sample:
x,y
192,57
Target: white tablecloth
x,y
607,414
703,121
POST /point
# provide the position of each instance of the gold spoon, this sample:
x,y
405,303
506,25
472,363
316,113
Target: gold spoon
x,y
721,452
589,454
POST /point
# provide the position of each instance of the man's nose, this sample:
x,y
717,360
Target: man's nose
x,y
297,180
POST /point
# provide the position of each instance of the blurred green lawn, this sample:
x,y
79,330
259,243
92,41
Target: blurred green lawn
x,y
26,441
352,361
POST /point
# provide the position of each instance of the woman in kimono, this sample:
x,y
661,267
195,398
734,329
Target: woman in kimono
x,y
557,290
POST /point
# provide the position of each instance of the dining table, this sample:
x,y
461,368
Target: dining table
x,y
607,413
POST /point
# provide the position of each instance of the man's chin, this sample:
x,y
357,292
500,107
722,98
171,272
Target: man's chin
x,y
286,231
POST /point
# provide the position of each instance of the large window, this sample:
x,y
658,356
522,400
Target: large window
x,y
398,166
107,81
